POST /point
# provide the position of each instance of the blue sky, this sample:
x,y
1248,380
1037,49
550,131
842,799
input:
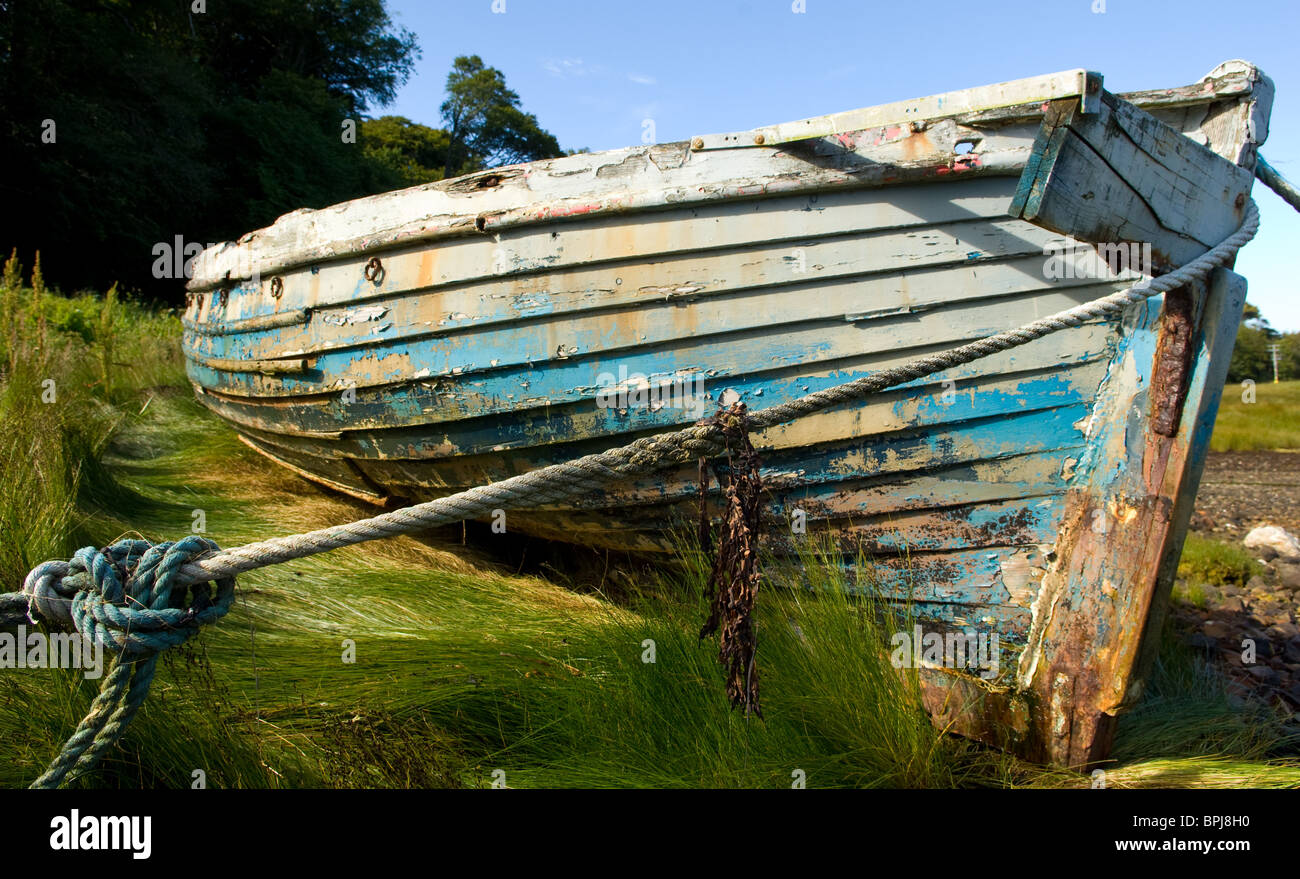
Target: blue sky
x,y
593,72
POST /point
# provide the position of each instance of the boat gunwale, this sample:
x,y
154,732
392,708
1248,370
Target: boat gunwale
x,y
1233,79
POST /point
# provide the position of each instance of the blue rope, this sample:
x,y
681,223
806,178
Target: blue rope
x,y
127,598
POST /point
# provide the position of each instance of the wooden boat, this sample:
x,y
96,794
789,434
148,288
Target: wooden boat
x,y
409,345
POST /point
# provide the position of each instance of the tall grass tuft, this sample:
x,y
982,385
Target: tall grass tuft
x,y
1216,562
10,291
57,416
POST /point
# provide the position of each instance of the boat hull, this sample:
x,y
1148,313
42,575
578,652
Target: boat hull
x,y
508,332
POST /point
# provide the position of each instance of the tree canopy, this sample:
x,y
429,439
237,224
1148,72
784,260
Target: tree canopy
x,y
1251,356
415,153
485,124
126,123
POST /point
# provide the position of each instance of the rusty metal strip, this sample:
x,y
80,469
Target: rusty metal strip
x,y
260,322
1173,361
265,367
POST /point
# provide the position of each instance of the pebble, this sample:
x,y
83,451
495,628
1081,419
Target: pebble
x,y
1289,576
1284,631
1264,553
1215,629
1278,540
1237,490
1292,652
1263,648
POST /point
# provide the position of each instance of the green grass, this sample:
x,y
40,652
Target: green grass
x,y
73,371
1271,421
466,673
461,670
1192,593
1214,562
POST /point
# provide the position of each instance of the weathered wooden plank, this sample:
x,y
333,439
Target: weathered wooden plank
x,y
336,472
1119,530
548,364
581,186
1121,176
840,458
590,252
1220,322
427,420
1016,93
672,281
496,361
250,365
1221,126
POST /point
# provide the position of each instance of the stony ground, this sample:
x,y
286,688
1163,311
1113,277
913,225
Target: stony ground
x,y
1243,489
1239,491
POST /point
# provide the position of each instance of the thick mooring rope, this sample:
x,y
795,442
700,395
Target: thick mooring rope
x,y
1268,175
138,599
126,598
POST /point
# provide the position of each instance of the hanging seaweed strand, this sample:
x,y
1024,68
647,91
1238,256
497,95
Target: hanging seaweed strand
x,y
733,581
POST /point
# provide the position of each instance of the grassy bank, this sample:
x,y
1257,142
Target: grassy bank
x,y
1268,420
464,674
73,372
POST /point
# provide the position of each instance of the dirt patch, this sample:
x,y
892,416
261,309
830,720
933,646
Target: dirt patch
x,y
1240,490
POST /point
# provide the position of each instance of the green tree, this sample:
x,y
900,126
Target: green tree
x,y
1289,356
485,124
349,46
414,153
125,123
1250,355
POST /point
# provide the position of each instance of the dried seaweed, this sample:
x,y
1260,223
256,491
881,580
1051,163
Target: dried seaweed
x,y
735,575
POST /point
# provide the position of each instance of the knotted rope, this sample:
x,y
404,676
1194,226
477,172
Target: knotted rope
x,y
132,596
126,598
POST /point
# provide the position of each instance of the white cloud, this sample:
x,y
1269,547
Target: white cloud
x,y
641,79
564,67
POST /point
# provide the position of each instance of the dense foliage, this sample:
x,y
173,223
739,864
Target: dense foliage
x,y
127,123
1252,357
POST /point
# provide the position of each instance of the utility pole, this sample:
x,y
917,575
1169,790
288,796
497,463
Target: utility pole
x,y
1274,349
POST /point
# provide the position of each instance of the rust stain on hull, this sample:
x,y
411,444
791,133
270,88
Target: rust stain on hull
x,y
1173,360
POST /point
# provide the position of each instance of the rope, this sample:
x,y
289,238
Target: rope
x,y
136,620
153,609
1269,176
734,578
